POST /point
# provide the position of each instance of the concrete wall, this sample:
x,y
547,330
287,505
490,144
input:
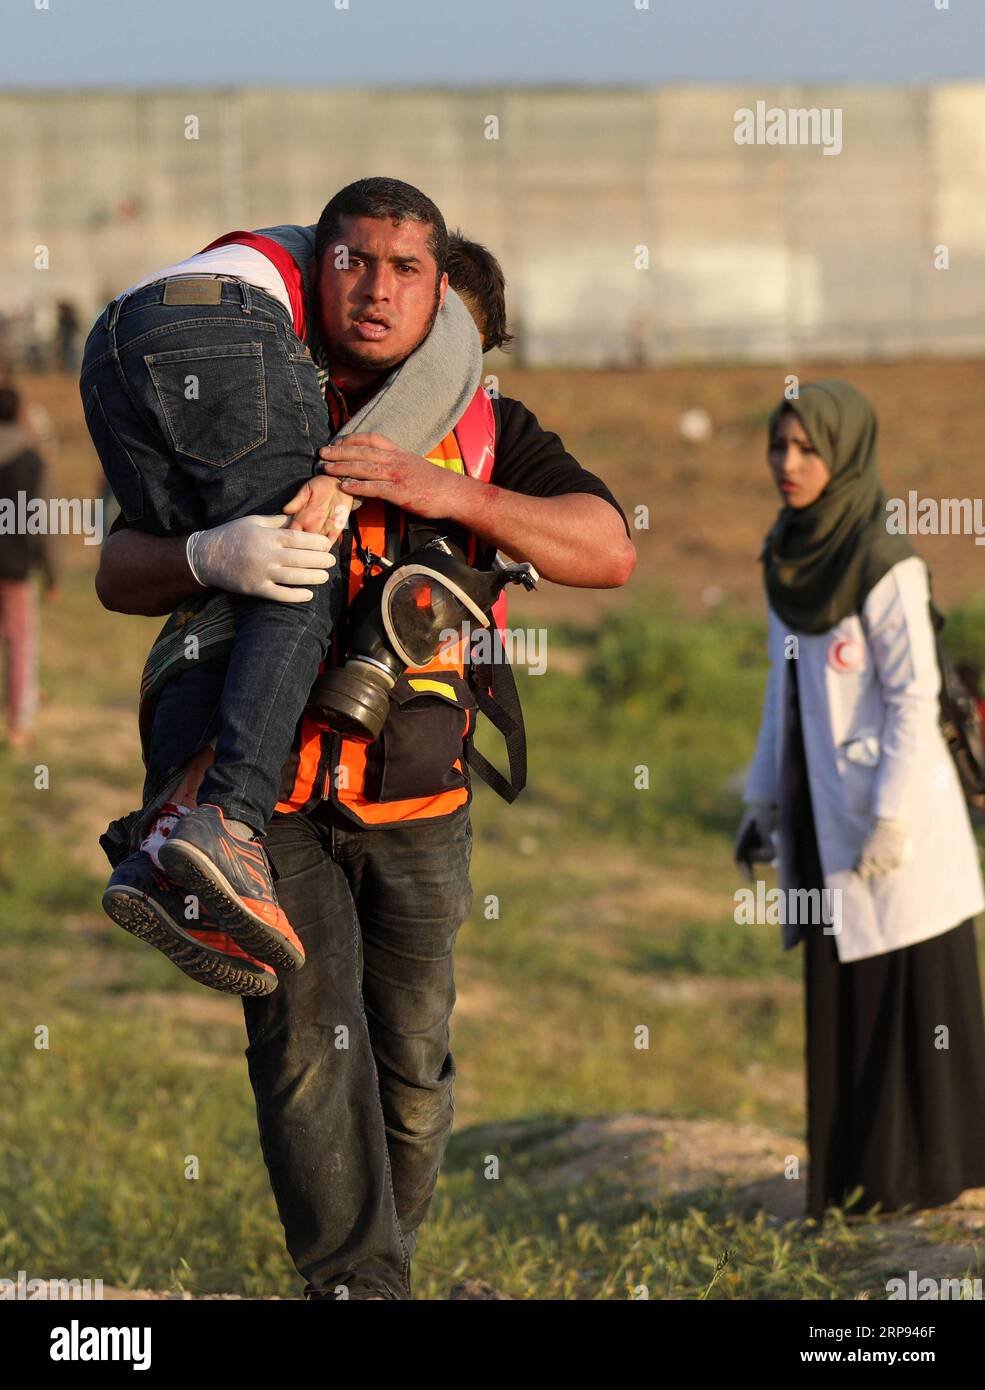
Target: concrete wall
x,y
754,251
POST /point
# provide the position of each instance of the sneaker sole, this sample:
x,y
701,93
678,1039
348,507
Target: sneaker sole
x,y
194,871
143,918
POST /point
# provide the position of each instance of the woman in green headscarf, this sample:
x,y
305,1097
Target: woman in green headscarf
x,y
854,788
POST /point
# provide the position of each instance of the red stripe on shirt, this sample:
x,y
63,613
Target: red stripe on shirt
x,y
476,435
286,265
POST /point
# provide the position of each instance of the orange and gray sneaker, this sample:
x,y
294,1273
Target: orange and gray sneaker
x,y
143,901
232,878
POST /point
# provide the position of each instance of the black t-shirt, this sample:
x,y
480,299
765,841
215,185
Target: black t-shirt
x,y
529,460
533,461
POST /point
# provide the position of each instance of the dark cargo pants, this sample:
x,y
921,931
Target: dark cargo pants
x,y
349,1058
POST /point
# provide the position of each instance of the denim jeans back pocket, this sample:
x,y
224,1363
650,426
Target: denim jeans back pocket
x,y
213,400
121,472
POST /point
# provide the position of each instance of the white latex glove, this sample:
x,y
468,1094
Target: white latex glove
x,y
258,556
887,847
754,838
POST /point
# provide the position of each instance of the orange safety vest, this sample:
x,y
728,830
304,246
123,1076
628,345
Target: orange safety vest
x,y
327,766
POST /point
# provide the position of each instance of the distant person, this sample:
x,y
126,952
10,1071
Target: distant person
x,y
33,339
853,770
67,327
22,470
7,343
477,277
34,418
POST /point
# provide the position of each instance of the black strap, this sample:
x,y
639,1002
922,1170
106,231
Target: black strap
x,y
496,696
498,699
357,539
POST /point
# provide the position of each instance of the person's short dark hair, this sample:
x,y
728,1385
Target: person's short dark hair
x,y
475,274
10,404
384,198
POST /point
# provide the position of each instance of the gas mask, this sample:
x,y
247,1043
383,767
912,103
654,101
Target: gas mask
x,y
402,617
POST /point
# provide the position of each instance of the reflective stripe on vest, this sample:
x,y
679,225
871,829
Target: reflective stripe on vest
x,y
468,449
287,266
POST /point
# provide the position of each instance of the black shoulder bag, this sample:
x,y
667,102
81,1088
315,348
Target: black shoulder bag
x,y
959,721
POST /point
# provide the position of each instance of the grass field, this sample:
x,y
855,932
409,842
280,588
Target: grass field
x,y
615,912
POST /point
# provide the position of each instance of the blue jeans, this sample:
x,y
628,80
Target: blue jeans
x,y
201,413
349,1058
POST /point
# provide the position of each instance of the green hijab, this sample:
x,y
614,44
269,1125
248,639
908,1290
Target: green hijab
x,y
821,561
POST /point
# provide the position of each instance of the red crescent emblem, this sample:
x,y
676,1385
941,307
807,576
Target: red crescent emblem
x,y
845,654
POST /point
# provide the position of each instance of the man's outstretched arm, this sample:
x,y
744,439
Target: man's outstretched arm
x,y
574,538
